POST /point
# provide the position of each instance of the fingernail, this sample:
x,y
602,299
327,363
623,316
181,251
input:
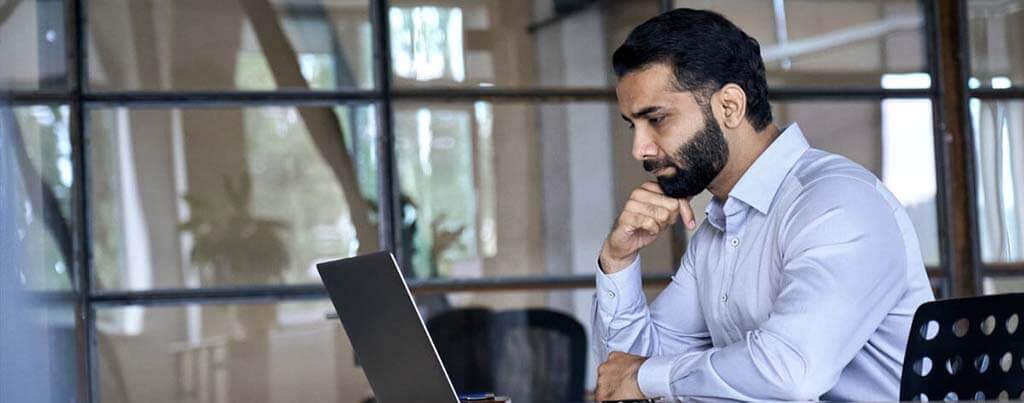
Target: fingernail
x,y
691,224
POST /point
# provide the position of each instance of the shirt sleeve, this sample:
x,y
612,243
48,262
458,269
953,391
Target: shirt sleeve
x,y
843,271
672,324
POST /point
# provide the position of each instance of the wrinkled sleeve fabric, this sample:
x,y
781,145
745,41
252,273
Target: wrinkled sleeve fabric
x,y
843,272
672,324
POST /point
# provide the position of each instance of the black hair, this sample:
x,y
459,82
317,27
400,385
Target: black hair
x,y
706,51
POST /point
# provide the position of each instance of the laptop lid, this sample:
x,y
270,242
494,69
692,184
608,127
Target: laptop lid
x,y
386,331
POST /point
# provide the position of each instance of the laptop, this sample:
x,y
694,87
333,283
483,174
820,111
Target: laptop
x,y
388,336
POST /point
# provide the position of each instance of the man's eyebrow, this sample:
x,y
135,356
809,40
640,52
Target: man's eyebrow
x,y
647,111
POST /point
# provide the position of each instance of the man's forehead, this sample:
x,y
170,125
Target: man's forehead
x,y
633,103
657,77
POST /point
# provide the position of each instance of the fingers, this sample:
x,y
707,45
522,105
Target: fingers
x,y
606,382
651,193
631,220
663,216
686,212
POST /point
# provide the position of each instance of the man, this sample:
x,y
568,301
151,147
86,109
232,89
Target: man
x,y
801,283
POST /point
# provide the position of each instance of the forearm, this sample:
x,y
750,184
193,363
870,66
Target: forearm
x,y
622,320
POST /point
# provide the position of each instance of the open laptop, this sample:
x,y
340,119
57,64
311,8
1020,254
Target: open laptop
x,y
386,331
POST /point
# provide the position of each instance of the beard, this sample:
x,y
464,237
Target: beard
x,y
696,163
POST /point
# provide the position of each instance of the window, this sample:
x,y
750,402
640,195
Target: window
x,y
174,204
996,111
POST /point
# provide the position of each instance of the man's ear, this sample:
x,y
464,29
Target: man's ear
x,y
732,102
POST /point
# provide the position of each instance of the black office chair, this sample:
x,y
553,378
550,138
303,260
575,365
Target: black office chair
x,y
542,356
464,340
532,355
966,349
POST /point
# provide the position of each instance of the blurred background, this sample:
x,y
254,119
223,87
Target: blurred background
x,y
171,171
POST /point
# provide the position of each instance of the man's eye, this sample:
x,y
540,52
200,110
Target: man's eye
x,y
657,120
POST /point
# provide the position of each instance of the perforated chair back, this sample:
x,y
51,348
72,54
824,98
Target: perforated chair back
x,y
966,349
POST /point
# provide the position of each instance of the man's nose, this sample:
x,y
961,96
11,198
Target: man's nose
x,y
643,147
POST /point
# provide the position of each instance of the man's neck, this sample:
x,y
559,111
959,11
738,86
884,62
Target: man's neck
x,y
742,154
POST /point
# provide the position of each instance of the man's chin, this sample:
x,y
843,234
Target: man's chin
x,y
678,191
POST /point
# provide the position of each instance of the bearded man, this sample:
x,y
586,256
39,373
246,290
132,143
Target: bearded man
x,y
801,283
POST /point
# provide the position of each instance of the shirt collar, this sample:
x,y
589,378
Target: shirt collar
x,y
757,186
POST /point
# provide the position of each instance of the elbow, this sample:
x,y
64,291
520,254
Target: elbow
x,y
803,390
786,372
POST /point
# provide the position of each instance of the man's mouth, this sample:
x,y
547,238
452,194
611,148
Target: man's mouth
x,y
663,171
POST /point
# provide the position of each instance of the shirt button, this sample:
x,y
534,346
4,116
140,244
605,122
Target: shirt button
x,y
611,294
734,242
725,298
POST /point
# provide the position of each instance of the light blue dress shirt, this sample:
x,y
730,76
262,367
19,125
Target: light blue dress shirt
x,y
801,286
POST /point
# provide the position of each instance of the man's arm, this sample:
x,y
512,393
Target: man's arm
x,y
844,270
622,320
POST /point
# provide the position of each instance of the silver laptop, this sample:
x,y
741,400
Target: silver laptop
x,y
386,331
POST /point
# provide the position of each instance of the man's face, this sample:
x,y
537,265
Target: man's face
x,y
677,139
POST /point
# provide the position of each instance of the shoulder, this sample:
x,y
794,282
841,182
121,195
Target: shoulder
x,y
828,192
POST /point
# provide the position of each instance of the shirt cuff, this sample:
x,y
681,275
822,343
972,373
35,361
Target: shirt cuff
x,y
621,289
654,376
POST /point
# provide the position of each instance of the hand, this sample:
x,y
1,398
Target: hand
x,y
616,378
646,214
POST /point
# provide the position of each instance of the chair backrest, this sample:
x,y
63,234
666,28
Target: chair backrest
x,y
463,339
531,355
542,356
966,349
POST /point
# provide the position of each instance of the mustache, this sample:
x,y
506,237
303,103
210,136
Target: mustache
x,y
654,165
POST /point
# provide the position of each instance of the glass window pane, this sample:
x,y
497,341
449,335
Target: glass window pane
x,y
32,51
40,148
38,356
288,351
830,43
893,139
996,43
228,45
508,43
214,197
284,352
512,189
1002,285
999,153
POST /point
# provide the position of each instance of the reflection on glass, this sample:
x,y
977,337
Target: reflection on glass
x,y
996,42
426,43
216,197
893,140
226,45
828,44
226,353
511,189
37,317
436,158
41,147
998,143
508,43
32,52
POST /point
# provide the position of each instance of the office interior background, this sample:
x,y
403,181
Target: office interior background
x,y
172,170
